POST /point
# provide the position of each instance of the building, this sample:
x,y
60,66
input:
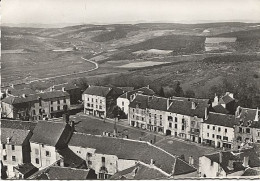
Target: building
x,y
15,148
36,106
228,163
218,130
49,137
123,101
225,104
109,155
99,101
23,171
248,129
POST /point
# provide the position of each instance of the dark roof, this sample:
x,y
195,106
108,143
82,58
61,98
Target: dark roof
x,y
26,168
248,115
67,86
143,90
226,99
97,90
19,92
139,171
18,124
254,161
220,109
128,149
17,136
251,172
141,101
34,97
63,173
48,132
126,89
71,159
221,119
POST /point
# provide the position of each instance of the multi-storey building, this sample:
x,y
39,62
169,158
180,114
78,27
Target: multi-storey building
x,y
49,137
36,106
247,131
123,101
15,148
99,100
218,130
109,155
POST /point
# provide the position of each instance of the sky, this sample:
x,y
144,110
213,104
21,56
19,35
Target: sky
x,y
128,11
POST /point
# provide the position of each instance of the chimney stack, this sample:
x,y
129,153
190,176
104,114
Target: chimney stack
x,y
63,89
206,113
12,85
245,162
66,117
220,157
23,95
168,103
193,105
191,160
215,102
152,162
256,115
8,139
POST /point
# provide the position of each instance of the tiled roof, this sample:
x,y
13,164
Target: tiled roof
x,y
139,171
141,101
221,119
26,168
251,172
71,159
97,90
129,149
19,92
34,97
48,132
143,90
254,161
63,173
247,115
220,109
17,136
226,99
18,124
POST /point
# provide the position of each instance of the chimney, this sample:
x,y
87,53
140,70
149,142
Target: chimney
x,y
245,162
191,160
12,85
220,157
215,102
62,162
52,88
148,86
231,164
8,139
193,105
231,95
72,125
63,89
7,92
23,95
256,115
168,103
206,113
66,117
132,97
152,162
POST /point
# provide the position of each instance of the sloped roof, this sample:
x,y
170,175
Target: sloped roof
x,y
143,90
48,132
221,119
247,115
251,172
141,101
226,99
71,159
139,171
34,97
17,136
26,168
97,90
19,92
128,149
126,89
67,86
254,161
63,173
18,124
220,109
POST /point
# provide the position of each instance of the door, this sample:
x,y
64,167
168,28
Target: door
x,y
168,132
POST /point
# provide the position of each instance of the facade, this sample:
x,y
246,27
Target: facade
x,y
15,148
36,106
230,164
109,155
123,101
99,100
47,138
247,131
218,130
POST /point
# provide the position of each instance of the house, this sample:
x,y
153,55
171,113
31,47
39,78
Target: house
x,y
109,155
228,163
15,148
37,106
49,137
65,173
247,131
225,104
24,170
218,130
123,101
99,100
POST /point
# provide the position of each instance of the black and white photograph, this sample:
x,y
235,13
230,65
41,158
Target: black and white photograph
x,y
130,89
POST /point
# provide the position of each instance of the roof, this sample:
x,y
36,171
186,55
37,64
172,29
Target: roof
x,y
220,109
251,172
97,90
26,168
226,99
48,132
126,89
130,150
19,92
219,119
18,124
17,136
34,97
254,161
71,159
143,90
63,173
248,115
67,86
140,171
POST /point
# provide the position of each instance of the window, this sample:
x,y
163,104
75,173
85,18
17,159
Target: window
x,y
213,136
48,153
88,98
103,159
176,126
96,106
58,108
37,160
51,109
137,117
33,112
96,100
36,151
89,154
142,119
13,147
100,101
154,116
219,129
160,116
225,130
133,116
211,164
51,102
208,126
150,115
218,137
170,125
3,146
64,100
122,103
13,158
4,157
88,105
240,130
182,128
100,107
182,120
58,102
247,130
258,133
92,100
133,110
176,119
225,138
213,127
207,134
40,103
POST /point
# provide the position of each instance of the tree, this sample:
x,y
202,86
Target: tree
x,y
81,82
190,93
161,92
117,112
178,90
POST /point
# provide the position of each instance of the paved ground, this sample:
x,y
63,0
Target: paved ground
x,y
92,125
